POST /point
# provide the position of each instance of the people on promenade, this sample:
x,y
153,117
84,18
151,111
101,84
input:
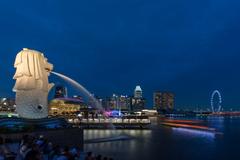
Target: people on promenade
x,y
39,148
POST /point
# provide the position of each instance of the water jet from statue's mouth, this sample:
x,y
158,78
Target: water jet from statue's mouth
x,y
81,88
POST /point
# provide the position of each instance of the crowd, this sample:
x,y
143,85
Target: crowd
x,y
39,148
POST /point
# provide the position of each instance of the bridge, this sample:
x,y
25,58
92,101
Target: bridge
x,y
226,114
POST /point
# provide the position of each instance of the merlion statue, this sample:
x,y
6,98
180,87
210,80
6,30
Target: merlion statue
x,y
32,86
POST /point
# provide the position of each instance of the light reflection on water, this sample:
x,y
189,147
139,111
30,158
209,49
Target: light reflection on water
x,y
106,133
119,146
216,122
194,133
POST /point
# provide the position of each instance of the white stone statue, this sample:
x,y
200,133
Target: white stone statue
x,y
32,86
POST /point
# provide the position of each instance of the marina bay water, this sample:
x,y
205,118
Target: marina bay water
x,y
161,142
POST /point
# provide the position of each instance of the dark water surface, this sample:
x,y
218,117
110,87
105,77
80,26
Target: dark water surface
x,y
161,142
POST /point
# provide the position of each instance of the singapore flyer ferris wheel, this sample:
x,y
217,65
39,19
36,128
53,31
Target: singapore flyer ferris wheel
x,y
213,102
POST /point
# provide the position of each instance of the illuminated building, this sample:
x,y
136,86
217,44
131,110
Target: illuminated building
x,y
116,102
108,103
138,92
123,102
66,107
60,91
137,104
7,105
163,100
94,102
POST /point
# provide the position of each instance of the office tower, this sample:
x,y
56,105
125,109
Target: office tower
x,y
163,100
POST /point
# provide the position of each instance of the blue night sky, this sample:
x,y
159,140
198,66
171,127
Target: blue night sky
x,y
187,47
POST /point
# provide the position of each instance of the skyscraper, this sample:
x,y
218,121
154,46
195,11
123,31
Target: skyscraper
x,y
124,102
116,102
137,102
163,100
60,91
138,92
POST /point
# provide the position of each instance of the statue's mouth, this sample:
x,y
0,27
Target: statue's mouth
x,y
48,70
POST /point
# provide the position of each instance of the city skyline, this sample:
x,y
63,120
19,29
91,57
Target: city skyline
x,y
157,48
